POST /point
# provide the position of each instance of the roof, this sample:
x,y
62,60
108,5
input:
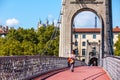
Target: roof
x,y
94,30
3,32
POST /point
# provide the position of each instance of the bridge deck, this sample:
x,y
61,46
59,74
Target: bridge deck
x,y
82,73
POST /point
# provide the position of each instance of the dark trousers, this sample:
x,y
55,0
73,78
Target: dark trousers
x,y
68,64
72,67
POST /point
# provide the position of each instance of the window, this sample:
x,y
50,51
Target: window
x,y
83,43
76,35
94,36
76,43
83,36
83,52
76,51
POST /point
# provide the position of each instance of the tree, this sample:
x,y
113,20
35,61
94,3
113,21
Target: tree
x,y
2,42
28,48
11,47
44,41
117,47
48,40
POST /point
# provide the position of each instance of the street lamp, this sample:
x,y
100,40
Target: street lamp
x,y
100,54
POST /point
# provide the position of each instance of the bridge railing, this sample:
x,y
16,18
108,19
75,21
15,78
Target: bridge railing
x,y
112,66
25,67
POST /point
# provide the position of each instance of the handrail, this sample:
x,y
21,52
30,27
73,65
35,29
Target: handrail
x,y
112,65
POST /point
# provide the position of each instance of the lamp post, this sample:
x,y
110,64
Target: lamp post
x,y
100,54
87,54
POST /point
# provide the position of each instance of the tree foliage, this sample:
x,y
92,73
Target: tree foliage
x,y
44,41
117,47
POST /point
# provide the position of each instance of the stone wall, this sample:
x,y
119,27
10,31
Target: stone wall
x,y
25,67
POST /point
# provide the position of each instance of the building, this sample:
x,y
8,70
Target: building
x,y
40,24
3,30
88,40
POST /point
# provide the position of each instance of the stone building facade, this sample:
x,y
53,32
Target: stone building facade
x,y
86,40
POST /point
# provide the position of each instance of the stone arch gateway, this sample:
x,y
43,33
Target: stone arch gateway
x,y
70,8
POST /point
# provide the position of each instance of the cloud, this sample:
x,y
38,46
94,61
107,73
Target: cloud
x,y
85,19
12,22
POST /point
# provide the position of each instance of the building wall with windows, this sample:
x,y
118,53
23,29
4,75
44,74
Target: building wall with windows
x,y
82,36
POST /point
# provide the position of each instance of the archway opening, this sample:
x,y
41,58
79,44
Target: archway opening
x,y
86,35
86,19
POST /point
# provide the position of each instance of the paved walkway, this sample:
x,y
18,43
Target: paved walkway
x,y
82,73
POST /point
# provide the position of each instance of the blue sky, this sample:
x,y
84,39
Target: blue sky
x,y
26,13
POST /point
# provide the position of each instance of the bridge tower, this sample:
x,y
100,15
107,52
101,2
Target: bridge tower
x,y
70,8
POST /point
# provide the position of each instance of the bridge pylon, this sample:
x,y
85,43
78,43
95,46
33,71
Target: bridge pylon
x,y
70,8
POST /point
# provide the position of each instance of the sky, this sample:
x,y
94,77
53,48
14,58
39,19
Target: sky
x,y
27,13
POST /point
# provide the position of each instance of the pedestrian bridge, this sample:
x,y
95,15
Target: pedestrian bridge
x,y
81,73
55,68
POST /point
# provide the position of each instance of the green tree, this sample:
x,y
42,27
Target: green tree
x,y
28,48
117,47
41,40
48,40
11,47
44,41
2,42
12,34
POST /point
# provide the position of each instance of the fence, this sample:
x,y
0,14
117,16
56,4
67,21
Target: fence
x,y
112,66
24,67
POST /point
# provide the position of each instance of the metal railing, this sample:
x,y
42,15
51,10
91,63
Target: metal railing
x,y
112,66
24,67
